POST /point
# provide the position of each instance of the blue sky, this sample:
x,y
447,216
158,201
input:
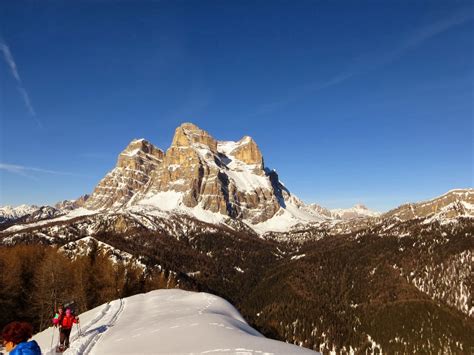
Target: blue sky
x,y
349,101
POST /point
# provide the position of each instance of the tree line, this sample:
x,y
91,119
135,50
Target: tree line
x,y
35,279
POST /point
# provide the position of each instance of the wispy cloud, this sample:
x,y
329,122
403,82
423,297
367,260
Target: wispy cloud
x,y
374,60
28,170
8,56
418,37
10,61
29,106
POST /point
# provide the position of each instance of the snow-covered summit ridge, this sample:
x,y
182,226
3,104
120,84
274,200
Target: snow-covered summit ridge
x,y
167,322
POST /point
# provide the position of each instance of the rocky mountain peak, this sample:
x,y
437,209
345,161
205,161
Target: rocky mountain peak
x,y
137,152
197,171
134,166
247,151
69,205
188,134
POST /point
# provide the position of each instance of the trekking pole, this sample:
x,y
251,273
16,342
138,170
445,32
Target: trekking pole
x,y
52,339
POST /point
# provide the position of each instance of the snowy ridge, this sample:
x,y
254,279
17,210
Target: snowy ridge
x,y
10,212
295,214
460,194
356,211
167,322
71,215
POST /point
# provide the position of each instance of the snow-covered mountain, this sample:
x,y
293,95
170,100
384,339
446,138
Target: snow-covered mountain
x,y
357,211
211,180
200,176
27,214
166,322
10,212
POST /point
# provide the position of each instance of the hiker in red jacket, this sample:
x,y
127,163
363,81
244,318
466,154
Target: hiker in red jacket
x,y
66,322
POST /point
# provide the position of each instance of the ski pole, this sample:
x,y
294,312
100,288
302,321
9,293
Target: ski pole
x,y
52,339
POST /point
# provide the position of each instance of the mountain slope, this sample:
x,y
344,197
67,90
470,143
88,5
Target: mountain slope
x,y
167,322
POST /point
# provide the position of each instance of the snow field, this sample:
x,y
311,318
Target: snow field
x,y
168,322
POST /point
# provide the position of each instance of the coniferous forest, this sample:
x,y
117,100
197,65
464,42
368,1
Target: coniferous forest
x,y
34,280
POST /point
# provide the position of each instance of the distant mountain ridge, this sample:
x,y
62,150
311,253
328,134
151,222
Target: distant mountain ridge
x,y
217,181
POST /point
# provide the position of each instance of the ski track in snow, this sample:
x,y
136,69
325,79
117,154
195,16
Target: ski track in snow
x,y
167,322
83,343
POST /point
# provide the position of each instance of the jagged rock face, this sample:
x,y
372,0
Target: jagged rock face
x,y
452,204
248,152
221,177
132,172
188,135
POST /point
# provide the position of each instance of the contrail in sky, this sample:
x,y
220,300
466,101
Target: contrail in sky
x,y
7,54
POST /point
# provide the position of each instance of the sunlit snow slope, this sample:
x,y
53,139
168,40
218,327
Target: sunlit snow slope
x,y
167,322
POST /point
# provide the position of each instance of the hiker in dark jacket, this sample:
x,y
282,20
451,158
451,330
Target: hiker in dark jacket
x,y
65,322
15,339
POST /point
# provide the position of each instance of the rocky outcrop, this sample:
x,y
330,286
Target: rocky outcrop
x,y
247,151
69,205
221,177
134,166
455,203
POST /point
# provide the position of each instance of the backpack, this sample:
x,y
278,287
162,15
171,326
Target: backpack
x,y
67,322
